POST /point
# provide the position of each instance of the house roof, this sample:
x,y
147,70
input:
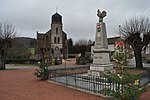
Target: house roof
x,y
112,40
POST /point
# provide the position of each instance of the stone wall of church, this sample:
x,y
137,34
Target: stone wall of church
x,y
54,41
56,35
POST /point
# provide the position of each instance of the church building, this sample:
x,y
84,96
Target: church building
x,y
53,43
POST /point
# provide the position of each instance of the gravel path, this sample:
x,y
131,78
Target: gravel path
x,y
146,95
21,84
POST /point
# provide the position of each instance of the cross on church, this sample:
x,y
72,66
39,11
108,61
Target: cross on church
x,y
56,9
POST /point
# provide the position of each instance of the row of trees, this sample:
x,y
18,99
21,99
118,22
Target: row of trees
x,y
80,46
18,51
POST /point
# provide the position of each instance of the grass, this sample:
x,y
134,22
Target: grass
x,y
28,65
25,64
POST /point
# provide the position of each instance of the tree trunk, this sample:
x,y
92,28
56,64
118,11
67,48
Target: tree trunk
x,y
1,64
2,60
138,58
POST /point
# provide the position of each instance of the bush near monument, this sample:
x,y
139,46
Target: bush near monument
x,y
80,60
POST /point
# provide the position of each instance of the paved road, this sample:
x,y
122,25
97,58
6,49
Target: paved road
x,y
22,85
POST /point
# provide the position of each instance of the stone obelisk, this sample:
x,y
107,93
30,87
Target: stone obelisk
x,y
101,59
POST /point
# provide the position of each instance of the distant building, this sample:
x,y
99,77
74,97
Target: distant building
x,y
111,42
111,47
53,43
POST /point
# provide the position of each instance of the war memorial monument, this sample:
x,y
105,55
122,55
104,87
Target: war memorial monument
x,y
101,59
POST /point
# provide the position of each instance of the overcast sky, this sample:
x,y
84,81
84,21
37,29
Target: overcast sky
x,y
79,16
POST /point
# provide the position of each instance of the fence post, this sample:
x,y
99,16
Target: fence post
x,y
75,80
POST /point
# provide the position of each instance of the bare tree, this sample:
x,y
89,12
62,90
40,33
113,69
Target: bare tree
x,y
81,47
136,32
7,32
89,44
70,45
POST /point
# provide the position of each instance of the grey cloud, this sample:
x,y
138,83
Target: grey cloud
x,y
79,17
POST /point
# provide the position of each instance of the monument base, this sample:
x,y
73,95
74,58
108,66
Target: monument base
x,y
98,69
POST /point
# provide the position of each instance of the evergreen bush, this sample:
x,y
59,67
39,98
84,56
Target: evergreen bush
x,y
42,72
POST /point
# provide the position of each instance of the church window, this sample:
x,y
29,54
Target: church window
x,y
58,39
52,50
56,31
54,39
61,50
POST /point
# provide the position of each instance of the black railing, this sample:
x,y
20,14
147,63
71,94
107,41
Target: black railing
x,y
95,84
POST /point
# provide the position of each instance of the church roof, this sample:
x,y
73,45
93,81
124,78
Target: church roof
x,y
40,36
56,18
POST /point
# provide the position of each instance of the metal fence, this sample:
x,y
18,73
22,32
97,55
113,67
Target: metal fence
x,y
95,84
145,78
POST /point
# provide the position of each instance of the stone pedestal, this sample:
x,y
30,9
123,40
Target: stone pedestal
x,y
101,58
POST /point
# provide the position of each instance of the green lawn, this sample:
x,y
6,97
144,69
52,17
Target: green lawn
x,y
25,64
